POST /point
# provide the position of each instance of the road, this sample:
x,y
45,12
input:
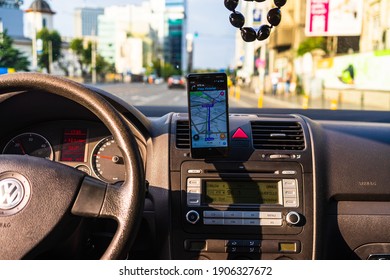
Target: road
x,y
139,94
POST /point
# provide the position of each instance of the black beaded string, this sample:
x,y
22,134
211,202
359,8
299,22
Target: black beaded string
x,y
249,34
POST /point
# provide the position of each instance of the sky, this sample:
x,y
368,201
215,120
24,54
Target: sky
x,y
209,18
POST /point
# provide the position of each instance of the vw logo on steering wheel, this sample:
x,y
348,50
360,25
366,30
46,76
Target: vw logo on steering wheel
x,y
14,193
11,193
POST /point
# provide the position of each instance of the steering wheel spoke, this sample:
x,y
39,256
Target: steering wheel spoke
x,y
35,195
90,198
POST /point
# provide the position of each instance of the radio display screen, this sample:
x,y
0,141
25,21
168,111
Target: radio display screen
x,y
243,192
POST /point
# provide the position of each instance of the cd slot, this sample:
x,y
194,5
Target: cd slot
x,y
240,171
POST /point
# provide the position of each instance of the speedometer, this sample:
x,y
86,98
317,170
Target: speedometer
x,y
31,144
107,161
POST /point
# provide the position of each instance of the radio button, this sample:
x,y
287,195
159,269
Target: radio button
x,y
213,214
232,214
213,221
232,250
193,189
289,172
194,171
289,183
290,202
290,193
251,243
251,215
271,222
193,199
234,243
251,222
193,182
270,215
233,222
253,250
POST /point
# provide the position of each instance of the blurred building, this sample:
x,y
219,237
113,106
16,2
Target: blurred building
x,y
86,21
11,17
286,38
12,21
126,35
376,26
252,58
357,26
39,15
174,42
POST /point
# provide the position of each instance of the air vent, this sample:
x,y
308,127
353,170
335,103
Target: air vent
x,y
278,136
182,134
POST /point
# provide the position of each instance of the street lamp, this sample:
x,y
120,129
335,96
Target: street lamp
x,y
190,51
94,56
190,40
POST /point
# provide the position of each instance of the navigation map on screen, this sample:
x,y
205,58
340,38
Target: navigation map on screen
x,y
208,117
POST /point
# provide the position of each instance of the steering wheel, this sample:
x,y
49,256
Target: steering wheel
x,y
36,194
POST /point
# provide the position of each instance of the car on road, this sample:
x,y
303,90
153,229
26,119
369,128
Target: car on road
x,y
176,81
87,174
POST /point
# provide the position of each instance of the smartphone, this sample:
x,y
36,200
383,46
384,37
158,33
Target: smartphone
x,y
208,115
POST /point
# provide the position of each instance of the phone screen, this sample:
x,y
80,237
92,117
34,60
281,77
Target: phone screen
x,y
208,111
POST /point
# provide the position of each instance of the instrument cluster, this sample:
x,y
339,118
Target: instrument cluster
x,y
87,146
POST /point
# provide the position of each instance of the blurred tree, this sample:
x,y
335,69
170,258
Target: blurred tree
x,y
103,67
155,68
310,44
11,57
168,70
48,38
83,53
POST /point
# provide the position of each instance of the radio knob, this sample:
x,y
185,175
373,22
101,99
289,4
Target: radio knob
x,y
293,218
192,217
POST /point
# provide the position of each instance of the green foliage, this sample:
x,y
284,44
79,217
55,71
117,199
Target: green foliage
x,y
83,53
77,46
155,68
87,54
103,67
310,44
84,56
11,57
169,70
53,38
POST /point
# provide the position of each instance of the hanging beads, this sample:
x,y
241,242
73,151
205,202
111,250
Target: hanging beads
x,y
249,34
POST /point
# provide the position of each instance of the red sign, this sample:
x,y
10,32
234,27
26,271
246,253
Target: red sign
x,y
319,15
334,17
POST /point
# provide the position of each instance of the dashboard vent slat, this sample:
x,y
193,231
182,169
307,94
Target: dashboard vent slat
x,y
182,134
278,136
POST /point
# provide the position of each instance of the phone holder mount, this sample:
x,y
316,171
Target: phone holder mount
x,y
249,34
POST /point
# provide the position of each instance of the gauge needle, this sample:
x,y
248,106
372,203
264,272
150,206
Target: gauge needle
x,y
21,147
105,157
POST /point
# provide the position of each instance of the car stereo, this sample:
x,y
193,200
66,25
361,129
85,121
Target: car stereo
x,y
229,197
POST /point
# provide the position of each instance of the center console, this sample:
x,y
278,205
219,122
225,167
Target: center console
x,y
254,204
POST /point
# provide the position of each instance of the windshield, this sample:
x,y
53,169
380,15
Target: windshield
x,y
327,54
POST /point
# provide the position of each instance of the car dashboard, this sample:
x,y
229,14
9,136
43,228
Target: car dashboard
x,y
297,185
